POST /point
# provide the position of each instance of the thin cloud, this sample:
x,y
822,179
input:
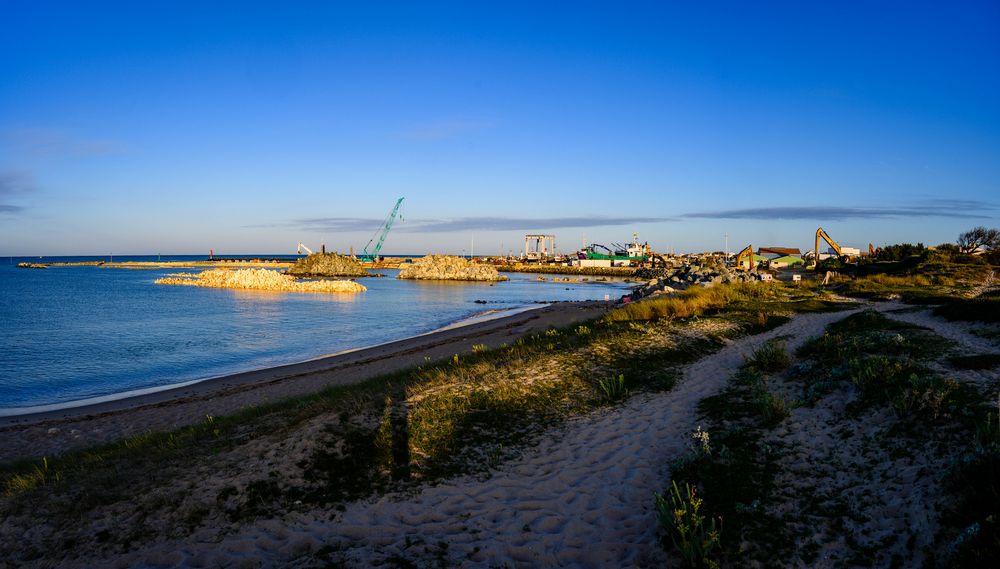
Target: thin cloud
x,y
511,223
14,183
337,224
959,209
38,142
441,130
347,224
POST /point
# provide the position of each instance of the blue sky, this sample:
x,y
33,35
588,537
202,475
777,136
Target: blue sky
x,y
175,127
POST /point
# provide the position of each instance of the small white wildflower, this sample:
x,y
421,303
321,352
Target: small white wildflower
x,y
702,440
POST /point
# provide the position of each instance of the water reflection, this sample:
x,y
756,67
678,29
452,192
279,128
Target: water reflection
x,y
83,331
278,296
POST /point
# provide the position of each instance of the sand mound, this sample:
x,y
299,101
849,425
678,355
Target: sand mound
x,y
260,279
449,268
327,265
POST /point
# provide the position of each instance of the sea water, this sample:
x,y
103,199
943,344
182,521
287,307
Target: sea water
x,y
73,333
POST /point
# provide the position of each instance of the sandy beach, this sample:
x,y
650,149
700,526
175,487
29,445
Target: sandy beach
x,y
53,432
579,496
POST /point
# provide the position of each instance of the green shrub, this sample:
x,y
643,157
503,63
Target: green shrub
x,y
975,478
772,408
613,388
679,514
770,357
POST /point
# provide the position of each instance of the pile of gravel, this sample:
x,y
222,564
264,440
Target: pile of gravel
x,y
449,268
327,265
259,279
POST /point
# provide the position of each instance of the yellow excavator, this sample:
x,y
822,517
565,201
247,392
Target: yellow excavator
x,y
748,253
833,245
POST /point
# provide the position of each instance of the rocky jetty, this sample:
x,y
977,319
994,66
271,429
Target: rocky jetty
x,y
259,279
31,266
449,268
668,280
327,265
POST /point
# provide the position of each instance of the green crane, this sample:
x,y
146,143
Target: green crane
x,y
381,232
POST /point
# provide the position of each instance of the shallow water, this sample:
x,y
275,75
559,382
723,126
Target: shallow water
x,y
72,333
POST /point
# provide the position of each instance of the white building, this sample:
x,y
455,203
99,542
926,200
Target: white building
x,y
849,251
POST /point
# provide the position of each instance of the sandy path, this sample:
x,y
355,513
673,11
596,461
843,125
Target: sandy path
x,y
853,469
581,498
958,332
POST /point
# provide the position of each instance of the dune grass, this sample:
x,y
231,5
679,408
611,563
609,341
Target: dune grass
x,y
466,414
886,363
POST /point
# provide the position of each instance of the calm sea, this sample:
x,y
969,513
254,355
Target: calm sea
x,y
74,333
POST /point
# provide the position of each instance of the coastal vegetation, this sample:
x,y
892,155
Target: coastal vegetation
x,y
874,443
468,414
866,415
258,279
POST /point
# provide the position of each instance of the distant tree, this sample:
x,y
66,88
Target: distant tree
x,y
972,239
900,251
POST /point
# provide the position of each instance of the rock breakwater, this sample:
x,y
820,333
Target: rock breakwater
x,y
327,265
667,280
260,279
449,268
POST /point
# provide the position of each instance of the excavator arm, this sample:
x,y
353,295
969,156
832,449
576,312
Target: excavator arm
x,y
833,244
748,252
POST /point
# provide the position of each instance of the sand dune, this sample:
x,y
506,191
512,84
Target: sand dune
x,y
581,498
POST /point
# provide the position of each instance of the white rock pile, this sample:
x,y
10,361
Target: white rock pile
x,y
449,268
670,280
259,279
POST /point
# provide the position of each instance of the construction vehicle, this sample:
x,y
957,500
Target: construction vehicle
x,y
748,252
381,232
655,260
833,245
301,247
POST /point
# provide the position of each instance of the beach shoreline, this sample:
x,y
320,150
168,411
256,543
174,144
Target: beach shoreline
x,y
55,431
48,408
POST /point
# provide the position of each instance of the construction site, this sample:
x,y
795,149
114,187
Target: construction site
x,y
636,259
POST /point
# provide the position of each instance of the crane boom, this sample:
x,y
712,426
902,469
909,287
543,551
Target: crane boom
x,y
301,247
381,233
